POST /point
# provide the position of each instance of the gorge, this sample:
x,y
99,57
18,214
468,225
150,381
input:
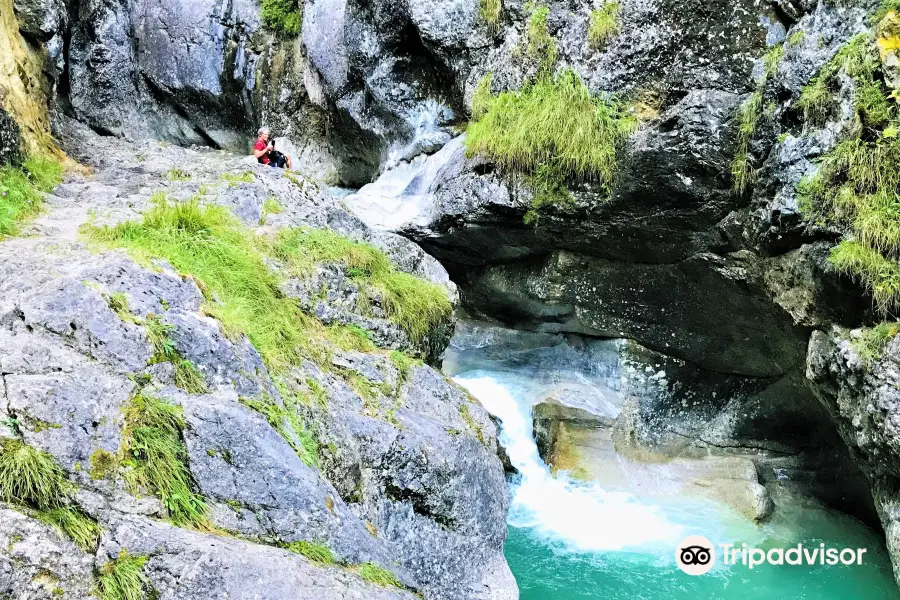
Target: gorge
x,y
551,286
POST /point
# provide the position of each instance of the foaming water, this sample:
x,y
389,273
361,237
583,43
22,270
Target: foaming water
x,y
571,540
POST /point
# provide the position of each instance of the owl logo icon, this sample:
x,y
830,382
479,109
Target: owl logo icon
x,y
695,555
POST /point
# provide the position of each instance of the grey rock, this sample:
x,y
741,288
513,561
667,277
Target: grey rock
x,y
42,19
10,150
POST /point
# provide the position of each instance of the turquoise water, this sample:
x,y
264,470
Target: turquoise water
x,y
548,571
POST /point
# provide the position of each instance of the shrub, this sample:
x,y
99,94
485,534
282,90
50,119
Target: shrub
x,y
157,456
123,579
21,191
604,24
284,17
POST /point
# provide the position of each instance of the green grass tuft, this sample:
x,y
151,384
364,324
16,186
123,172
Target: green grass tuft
x,y
414,304
870,345
124,579
187,377
482,96
83,530
270,207
157,456
797,38
552,130
30,476
491,11
236,178
540,46
177,175
742,171
372,573
291,427
284,17
604,24
315,552
22,189
880,275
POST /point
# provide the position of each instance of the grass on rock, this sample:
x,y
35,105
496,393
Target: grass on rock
x,y
21,191
284,17
83,530
856,187
124,579
372,573
187,377
552,130
870,345
315,552
604,24
291,427
155,451
30,476
491,11
540,46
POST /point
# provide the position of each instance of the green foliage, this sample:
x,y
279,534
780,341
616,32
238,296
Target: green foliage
x,y
466,415
123,579
378,575
482,96
118,302
270,207
856,185
21,191
771,60
315,552
83,530
551,130
284,17
291,427
742,172
187,377
604,24
208,243
491,11
883,9
540,46
103,464
154,449
414,304
403,363
350,337
797,38
30,476
870,345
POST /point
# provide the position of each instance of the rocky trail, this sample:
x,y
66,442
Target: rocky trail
x,y
420,495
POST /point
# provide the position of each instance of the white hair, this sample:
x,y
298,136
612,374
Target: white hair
x,y
263,130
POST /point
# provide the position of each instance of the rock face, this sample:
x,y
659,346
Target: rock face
x,y
10,144
408,477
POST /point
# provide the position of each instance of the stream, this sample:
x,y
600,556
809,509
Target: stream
x,y
571,539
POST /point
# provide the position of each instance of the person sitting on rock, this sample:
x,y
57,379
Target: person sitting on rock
x,y
265,152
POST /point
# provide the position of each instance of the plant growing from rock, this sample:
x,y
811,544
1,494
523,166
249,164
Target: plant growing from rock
x,y
378,575
540,46
288,423
314,551
603,24
284,17
491,11
154,450
22,189
187,377
124,579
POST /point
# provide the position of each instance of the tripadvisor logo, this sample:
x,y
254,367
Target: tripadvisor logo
x,y
696,555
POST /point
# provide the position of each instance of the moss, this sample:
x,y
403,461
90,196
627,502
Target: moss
x,y
118,303
187,377
372,573
83,530
158,459
315,552
473,425
482,96
604,24
403,363
284,17
552,130
177,175
103,464
869,346
883,9
124,579
797,38
491,11
540,46
414,304
30,476
22,189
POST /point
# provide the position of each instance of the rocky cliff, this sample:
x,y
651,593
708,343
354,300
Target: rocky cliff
x,y
716,194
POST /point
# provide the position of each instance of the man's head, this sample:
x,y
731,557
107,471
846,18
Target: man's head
x,y
264,133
